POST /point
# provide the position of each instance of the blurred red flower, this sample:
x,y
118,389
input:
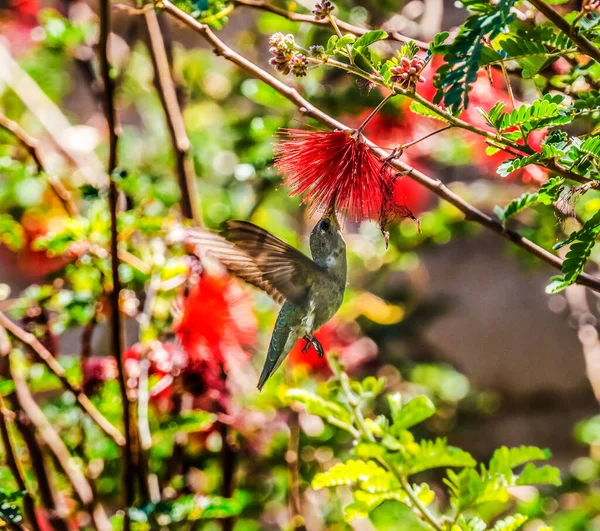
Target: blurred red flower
x,y
342,338
217,319
328,166
17,21
97,370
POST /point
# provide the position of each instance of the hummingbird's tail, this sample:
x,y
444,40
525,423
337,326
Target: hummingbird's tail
x,y
282,341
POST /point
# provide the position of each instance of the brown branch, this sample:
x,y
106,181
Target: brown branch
x,y
118,337
435,185
296,17
50,361
586,46
292,459
31,145
55,511
80,484
179,137
16,468
49,115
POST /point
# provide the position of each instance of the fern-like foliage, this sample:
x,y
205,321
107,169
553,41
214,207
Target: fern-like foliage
x,y
421,110
546,195
544,112
317,405
463,57
367,476
469,488
510,523
582,242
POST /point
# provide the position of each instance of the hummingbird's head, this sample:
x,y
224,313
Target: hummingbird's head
x,y
326,240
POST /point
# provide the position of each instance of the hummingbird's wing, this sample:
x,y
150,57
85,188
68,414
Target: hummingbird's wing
x,y
261,259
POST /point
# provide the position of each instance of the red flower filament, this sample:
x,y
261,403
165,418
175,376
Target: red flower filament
x,y
338,166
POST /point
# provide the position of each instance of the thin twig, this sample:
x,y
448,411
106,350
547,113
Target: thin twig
x,y
49,115
56,512
50,361
586,46
118,337
292,459
179,137
350,28
31,145
435,185
80,484
16,468
375,111
424,137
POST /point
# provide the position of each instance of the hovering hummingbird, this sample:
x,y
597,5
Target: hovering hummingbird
x,y
311,290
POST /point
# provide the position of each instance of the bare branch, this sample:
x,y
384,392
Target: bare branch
x,y
179,138
80,484
350,28
31,145
118,337
50,361
14,464
435,185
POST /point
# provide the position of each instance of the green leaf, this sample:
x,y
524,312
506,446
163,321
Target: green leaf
x,y
365,475
532,475
516,206
504,459
365,502
510,523
468,489
421,110
331,44
464,55
546,195
344,41
543,112
395,516
429,454
12,233
363,42
416,411
437,46
582,242
316,405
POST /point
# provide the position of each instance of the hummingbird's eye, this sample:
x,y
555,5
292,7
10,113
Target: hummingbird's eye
x,y
324,225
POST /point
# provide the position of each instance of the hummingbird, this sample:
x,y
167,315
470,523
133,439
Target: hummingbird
x,y
311,290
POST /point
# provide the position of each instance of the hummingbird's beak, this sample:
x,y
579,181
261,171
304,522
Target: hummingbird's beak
x,y
330,213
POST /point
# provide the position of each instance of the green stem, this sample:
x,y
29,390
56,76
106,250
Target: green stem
x,y
375,111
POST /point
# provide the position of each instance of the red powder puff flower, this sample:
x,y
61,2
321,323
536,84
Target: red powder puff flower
x,y
338,167
216,320
342,338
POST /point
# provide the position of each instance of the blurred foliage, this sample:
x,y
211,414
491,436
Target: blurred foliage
x,y
367,447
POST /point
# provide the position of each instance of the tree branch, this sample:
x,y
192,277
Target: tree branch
x,y
14,464
435,185
50,361
179,138
31,145
350,28
55,511
118,337
80,484
587,47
